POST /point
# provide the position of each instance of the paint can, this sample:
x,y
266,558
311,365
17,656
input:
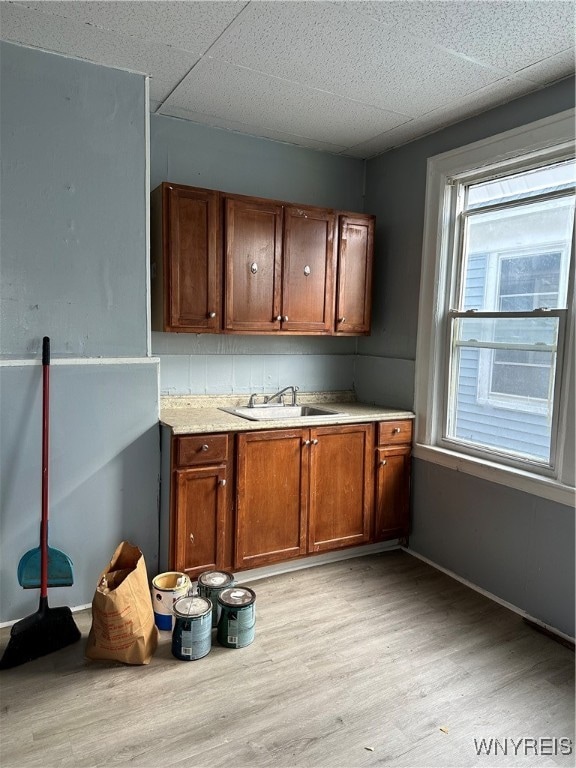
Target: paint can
x,y
237,620
166,589
192,636
210,585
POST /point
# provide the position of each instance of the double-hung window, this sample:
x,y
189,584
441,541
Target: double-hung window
x,y
495,344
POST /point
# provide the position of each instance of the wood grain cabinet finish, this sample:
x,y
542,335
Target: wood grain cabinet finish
x,y
271,497
308,268
201,513
341,486
253,258
286,493
355,265
186,269
280,264
303,491
393,463
246,265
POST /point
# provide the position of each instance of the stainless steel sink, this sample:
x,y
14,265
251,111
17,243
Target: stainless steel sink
x,y
278,412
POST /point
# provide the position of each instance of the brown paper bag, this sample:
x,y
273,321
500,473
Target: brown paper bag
x,y
123,627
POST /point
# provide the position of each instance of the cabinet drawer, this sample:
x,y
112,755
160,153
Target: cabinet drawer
x,y
201,449
395,432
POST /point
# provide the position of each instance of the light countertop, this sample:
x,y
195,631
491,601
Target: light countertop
x,y
197,414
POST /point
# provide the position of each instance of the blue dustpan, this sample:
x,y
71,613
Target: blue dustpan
x,y
60,573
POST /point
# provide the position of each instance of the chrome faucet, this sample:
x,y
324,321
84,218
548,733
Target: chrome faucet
x,y
278,396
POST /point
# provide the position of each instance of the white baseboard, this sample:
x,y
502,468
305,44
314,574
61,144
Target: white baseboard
x,y
490,595
291,565
288,566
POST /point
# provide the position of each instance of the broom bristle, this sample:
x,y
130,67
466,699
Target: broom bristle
x,y
39,634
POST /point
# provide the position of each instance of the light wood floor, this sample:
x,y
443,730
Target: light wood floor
x,y
380,660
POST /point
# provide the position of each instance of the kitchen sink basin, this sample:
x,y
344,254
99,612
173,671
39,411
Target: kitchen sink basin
x,y
278,412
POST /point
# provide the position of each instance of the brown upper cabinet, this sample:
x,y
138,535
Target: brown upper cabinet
x,y
355,257
245,265
186,264
253,258
280,264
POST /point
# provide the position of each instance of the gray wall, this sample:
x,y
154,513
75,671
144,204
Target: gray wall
x,y
73,207
103,478
515,545
73,267
185,153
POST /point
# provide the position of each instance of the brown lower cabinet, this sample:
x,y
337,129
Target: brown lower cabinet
x,y
271,497
393,460
289,493
341,492
201,519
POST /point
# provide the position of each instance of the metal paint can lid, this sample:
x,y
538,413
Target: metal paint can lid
x,y
215,579
192,607
237,596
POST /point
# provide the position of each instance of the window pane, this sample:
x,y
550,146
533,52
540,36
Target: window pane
x,y
521,374
503,384
525,184
517,259
529,282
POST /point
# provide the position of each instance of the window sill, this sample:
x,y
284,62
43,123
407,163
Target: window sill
x,y
519,479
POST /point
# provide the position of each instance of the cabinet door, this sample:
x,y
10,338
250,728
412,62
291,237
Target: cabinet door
x,y
354,289
341,486
392,492
199,519
253,263
308,270
192,261
271,501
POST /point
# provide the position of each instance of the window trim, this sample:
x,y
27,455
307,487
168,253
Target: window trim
x,y
549,139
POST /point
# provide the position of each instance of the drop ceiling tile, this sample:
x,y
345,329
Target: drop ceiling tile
x,y
235,93
165,65
385,141
508,34
505,90
319,45
252,129
192,26
551,69
484,99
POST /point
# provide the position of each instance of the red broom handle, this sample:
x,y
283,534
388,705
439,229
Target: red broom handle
x,y
45,441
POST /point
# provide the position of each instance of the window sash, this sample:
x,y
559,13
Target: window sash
x,y
455,234
448,435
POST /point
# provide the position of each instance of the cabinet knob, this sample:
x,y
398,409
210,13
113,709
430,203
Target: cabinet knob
x,y
279,318
211,314
341,319
222,482
305,442
192,538
205,447
314,442
383,462
253,267
285,318
396,430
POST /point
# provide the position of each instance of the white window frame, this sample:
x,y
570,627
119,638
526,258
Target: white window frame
x,y
546,140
